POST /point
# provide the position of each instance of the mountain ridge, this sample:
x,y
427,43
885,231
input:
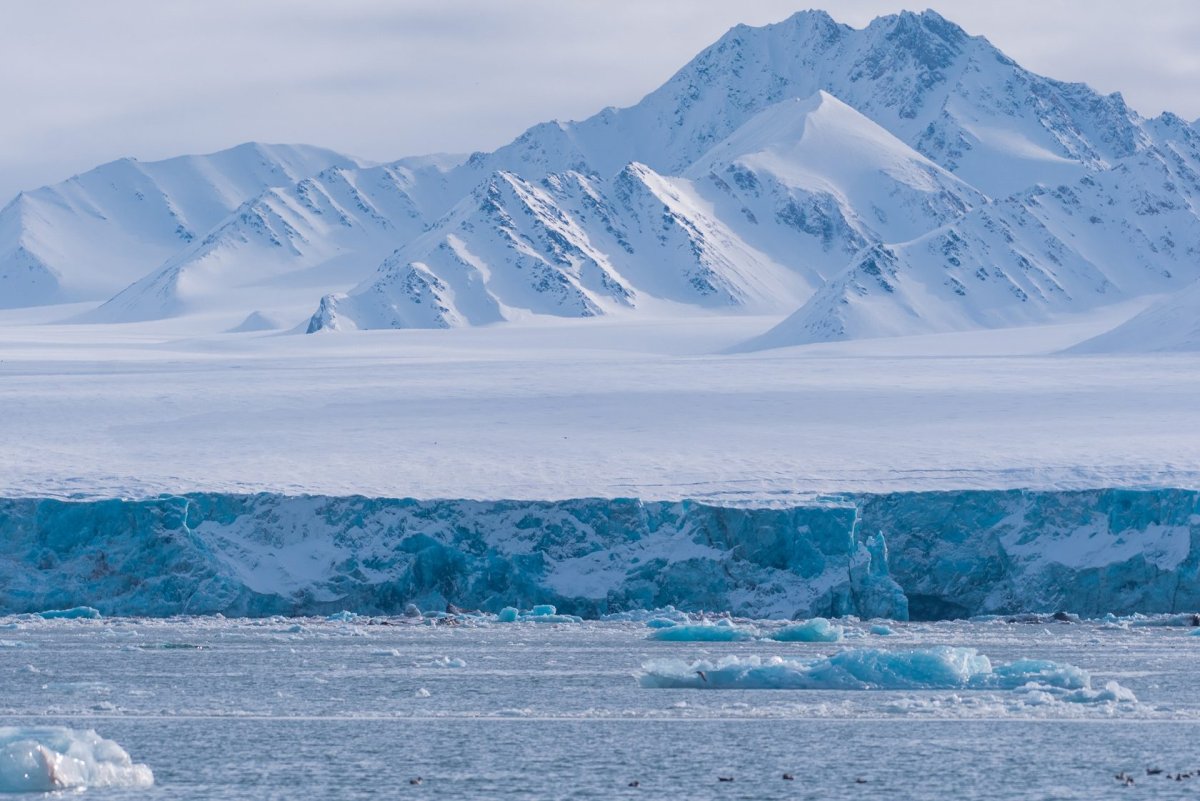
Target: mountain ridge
x,y
1010,198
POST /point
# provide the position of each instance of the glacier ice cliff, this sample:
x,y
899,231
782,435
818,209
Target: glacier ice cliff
x,y
927,555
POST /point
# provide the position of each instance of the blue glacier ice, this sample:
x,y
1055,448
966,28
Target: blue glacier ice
x,y
937,668
881,630
46,759
542,613
703,632
919,555
816,630
74,613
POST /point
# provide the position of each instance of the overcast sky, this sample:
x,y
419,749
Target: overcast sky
x,y
85,82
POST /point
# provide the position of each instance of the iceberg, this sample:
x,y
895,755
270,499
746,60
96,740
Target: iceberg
x,y
51,758
703,632
881,630
939,668
74,613
543,613
816,630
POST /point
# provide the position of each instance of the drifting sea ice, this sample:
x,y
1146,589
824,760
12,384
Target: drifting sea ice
x,y
543,613
74,613
704,632
49,758
938,668
816,630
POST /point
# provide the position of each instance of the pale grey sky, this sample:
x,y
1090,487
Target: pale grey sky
x,y
85,82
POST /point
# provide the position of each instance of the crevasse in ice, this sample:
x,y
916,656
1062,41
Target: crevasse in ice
x,y
923,554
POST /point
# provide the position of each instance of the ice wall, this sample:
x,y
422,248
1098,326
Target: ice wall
x,y
928,554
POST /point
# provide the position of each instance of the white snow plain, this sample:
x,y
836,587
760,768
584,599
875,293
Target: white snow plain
x,y
550,409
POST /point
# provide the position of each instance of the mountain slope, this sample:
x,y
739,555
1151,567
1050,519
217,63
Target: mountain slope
x,y
89,236
953,97
280,248
759,222
1170,324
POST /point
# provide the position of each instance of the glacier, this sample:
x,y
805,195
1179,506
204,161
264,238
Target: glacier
x,y
919,555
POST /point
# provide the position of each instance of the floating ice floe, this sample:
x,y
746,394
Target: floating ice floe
x,y
816,630
881,630
940,668
667,613
74,613
49,758
442,662
342,617
543,613
724,631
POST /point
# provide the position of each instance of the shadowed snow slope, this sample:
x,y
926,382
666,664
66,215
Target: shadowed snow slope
x,y
1171,324
92,234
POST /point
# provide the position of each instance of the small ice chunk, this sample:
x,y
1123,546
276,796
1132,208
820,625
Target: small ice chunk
x,y
660,623
552,618
882,630
74,613
421,693
816,630
342,617
448,662
703,632
544,613
45,759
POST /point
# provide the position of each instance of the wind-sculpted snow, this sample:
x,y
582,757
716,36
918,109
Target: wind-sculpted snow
x,y
937,668
928,555
47,759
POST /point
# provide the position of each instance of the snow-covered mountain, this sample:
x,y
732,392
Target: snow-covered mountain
x,y
897,179
757,222
91,235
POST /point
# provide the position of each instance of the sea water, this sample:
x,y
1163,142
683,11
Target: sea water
x,y
370,708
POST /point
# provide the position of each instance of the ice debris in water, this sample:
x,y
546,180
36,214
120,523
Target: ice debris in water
x,y
49,758
446,662
660,623
667,613
74,613
882,630
704,632
816,630
940,668
543,613
342,617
